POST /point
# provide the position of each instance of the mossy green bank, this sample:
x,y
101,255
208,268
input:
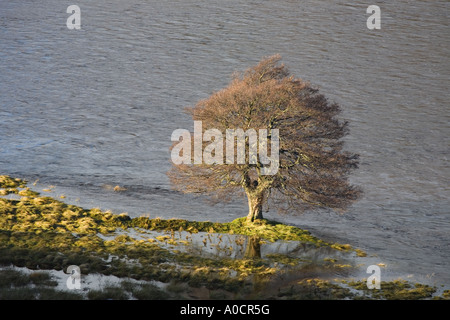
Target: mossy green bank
x,y
42,233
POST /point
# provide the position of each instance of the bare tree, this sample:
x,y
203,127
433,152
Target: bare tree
x,y
312,168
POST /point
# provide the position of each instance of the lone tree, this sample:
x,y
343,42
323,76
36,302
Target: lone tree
x,y
312,169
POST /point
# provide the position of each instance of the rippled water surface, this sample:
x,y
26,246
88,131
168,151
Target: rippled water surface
x,y
86,110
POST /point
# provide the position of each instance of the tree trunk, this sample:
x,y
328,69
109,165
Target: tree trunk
x,y
255,202
253,248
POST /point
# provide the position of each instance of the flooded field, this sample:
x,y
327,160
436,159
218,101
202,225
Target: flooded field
x,y
83,111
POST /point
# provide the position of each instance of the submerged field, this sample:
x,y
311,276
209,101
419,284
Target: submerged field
x,y
143,258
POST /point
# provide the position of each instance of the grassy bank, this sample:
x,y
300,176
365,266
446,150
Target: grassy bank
x,y
42,233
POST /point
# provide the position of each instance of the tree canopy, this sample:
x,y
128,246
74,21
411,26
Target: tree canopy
x,y
301,135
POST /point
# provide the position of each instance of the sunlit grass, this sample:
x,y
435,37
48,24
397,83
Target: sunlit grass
x,y
395,290
41,232
17,285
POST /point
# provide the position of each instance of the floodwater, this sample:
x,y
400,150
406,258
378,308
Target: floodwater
x,y
86,110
